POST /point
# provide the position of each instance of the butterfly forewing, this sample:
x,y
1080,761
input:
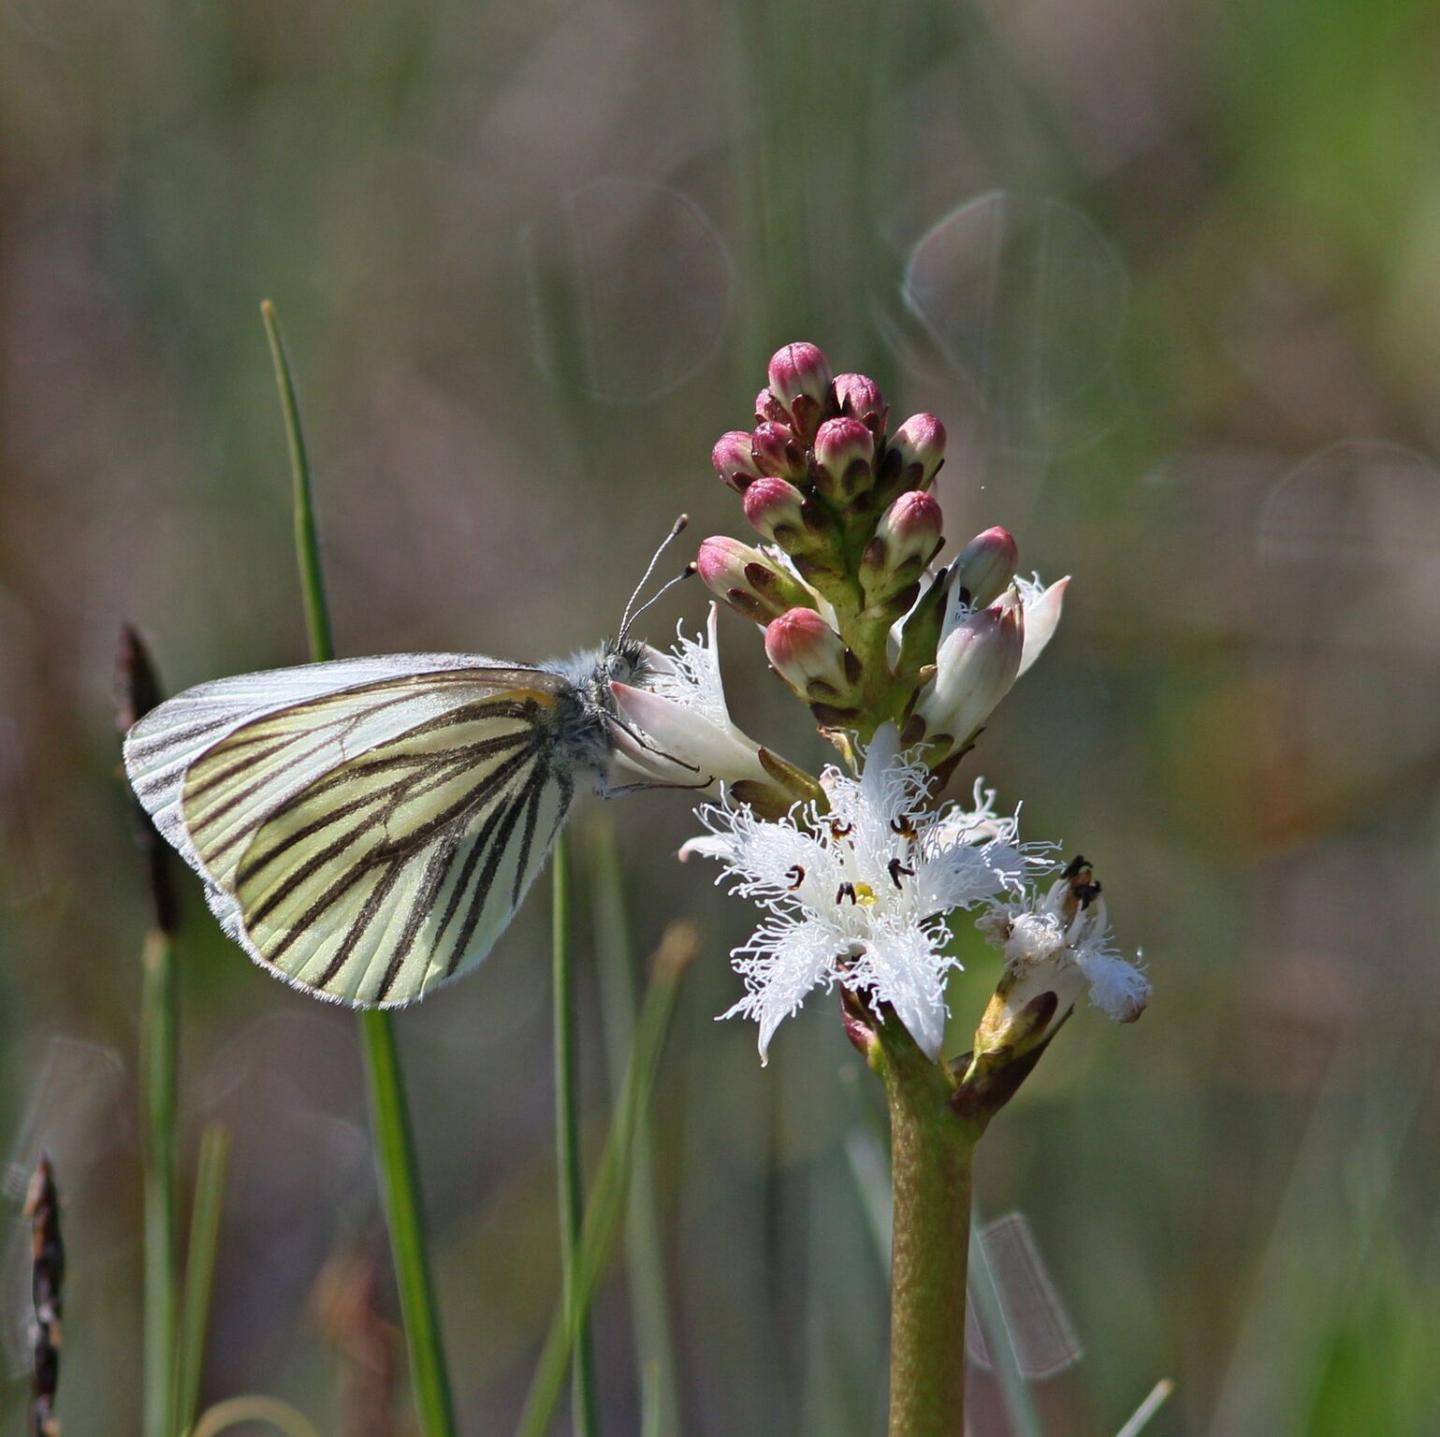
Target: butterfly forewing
x,y
371,841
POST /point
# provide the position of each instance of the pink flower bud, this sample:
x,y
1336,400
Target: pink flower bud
x,y
733,461
800,380
974,669
859,398
919,444
906,539
751,582
775,508
983,570
810,656
768,409
778,452
843,451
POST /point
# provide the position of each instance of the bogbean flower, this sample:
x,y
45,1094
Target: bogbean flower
x,y
676,728
1056,947
890,647
903,660
859,892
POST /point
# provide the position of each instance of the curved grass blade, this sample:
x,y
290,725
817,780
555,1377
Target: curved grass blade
x,y
200,1270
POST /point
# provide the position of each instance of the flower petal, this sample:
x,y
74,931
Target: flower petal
x,y
1117,987
684,734
1042,617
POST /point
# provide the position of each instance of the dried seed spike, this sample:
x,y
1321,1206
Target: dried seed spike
x,y
42,1207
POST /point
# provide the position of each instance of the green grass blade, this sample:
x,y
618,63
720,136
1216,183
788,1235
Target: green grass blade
x,y
606,1209
567,1146
158,1036
394,1142
644,1249
400,1184
307,536
137,691
200,1270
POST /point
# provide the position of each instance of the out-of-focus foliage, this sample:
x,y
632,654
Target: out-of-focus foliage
x,y
1167,273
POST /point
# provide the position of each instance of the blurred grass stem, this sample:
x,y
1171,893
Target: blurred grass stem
x,y
200,1270
606,1209
137,691
567,1147
159,1029
644,1245
394,1141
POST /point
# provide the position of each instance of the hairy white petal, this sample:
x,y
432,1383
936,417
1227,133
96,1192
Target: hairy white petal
x,y
1042,615
780,964
859,893
1117,987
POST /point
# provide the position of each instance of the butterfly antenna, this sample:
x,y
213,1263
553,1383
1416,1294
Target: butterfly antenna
x,y
631,612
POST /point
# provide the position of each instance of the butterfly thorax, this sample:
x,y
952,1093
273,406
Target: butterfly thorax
x,y
585,723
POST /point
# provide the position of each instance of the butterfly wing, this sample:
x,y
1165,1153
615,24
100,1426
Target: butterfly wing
x,y
365,828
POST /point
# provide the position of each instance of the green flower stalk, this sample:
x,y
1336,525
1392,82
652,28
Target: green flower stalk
x,y
902,661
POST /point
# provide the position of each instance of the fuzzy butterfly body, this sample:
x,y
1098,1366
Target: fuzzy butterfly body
x,y
367,828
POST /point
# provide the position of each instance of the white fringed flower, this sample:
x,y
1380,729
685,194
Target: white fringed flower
x,y
1060,943
676,727
860,894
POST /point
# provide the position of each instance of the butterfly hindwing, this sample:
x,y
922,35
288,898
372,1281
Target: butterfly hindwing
x,y
364,829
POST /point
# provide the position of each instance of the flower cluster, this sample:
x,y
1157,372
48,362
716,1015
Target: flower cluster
x,y
858,892
901,659
859,621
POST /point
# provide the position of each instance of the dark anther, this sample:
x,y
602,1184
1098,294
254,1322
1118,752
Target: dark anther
x,y
903,827
896,869
846,890
796,875
1073,868
1087,893
841,830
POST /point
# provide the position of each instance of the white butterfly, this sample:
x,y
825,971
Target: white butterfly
x,y
366,828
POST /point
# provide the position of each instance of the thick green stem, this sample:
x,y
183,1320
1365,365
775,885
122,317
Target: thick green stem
x,y
931,1150
158,1041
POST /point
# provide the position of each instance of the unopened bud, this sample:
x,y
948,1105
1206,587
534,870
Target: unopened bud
x,y
751,582
983,570
768,409
778,452
906,539
859,398
917,448
811,657
776,509
800,380
844,449
975,667
734,463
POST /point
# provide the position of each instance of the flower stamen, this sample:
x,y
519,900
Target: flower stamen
x,y
796,875
896,869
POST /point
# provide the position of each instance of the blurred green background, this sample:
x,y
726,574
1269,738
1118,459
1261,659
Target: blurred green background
x,y
1167,271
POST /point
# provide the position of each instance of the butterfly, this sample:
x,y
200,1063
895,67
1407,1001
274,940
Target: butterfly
x,y
367,828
